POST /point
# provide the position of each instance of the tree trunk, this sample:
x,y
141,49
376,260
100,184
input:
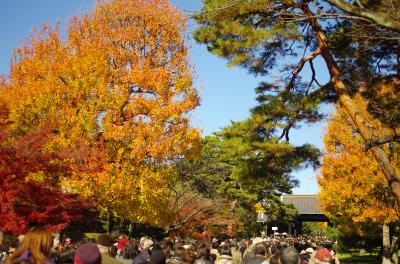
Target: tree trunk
x,y
390,245
366,130
386,256
111,222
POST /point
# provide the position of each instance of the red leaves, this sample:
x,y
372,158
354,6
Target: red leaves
x,y
23,200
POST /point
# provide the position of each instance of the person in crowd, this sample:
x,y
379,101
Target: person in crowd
x,y
67,243
188,256
87,253
104,243
225,255
290,255
322,256
7,246
236,254
157,255
178,255
66,256
113,251
203,255
35,248
122,241
144,256
129,252
258,256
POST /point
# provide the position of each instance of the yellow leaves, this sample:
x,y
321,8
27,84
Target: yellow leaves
x,y
352,186
121,80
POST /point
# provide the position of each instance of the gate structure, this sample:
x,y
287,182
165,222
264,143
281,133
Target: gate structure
x,y
309,210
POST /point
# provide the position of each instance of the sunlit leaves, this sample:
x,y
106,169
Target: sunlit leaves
x,y
119,89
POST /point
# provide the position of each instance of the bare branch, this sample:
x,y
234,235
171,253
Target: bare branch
x,y
299,67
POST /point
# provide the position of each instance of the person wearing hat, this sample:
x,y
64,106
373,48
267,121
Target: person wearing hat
x,y
321,256
87,254
144,256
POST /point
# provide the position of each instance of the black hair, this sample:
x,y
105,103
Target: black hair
x,y
105,240
260,249
113,251
131,250
225,250
66,256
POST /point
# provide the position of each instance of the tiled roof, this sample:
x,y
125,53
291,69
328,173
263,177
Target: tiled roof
x,y
305,204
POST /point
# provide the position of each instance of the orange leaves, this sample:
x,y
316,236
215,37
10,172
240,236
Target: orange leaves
x,y
119,90
352,184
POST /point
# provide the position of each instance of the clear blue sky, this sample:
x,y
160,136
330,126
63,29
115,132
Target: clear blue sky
x,y
227,94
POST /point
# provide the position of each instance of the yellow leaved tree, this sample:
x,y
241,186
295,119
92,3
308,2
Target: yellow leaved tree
x,y
353,189
119,89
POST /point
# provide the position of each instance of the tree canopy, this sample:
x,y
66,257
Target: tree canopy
x,y
359,52
117,90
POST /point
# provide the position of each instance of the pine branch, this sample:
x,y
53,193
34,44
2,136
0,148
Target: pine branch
x,y
379,18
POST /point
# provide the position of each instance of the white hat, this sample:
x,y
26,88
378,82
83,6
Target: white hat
x,y
147,243
310,250
257,240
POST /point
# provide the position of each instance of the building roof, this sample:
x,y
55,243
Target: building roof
x,y
305,204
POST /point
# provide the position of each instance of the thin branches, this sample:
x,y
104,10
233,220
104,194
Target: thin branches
x,y
299,67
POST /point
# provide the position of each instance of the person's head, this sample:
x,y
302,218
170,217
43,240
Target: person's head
x,y
157,256
257,240
290,255
275,259
67,255
146,243
260,249
131,250
323,256
105,240
225,250
188,256
68,241
203,251
38,242
10,243
87,254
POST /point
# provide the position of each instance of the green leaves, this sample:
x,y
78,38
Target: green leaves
x,y
244,32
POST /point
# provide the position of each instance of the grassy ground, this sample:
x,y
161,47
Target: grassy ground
x,y
359,258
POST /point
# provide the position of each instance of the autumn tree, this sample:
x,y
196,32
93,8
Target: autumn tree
x,y
266,36
30,191
120,86
353,190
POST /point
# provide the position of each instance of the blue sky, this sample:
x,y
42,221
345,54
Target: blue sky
x,y
227,93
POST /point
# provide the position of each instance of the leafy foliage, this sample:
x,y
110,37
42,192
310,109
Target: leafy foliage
x,y
284,37
119,92
353,190
30,193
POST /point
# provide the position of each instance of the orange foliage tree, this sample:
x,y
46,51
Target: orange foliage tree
x,y
120,87
351,183
353,189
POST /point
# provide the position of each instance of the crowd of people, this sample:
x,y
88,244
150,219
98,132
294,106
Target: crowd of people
x,y
38,246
